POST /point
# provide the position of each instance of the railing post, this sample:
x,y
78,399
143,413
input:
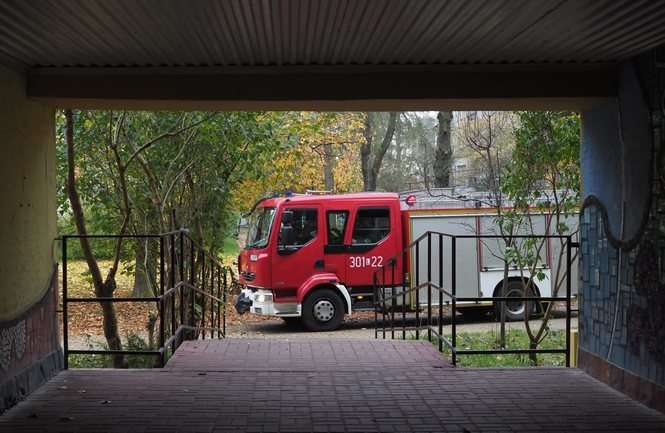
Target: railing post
x,y
182,278
173,294
225,289
162,304
417,290
453,279
568,295
383,297
440,292
393,299
429,286
404,256
65,331
203,298
192,293
212,301
375,296
219,305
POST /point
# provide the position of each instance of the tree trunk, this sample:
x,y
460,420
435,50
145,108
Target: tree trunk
x,y
533,357
329,166
110,320
366,151
444,153
103,288
143,270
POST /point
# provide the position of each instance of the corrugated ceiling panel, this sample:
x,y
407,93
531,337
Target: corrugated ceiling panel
x,y
325,32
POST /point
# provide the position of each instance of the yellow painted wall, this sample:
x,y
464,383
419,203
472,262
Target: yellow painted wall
x,y
27,196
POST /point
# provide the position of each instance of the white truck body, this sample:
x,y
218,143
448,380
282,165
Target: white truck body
x,y
480,264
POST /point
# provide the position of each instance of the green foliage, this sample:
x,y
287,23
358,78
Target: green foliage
x,y
133,342
515,339
543,177
191,171
90,361
545,165
230,247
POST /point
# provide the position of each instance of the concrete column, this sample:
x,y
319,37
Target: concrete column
x,y
29,350
622,326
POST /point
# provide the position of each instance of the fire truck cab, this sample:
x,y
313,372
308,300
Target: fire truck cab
x,y
312,257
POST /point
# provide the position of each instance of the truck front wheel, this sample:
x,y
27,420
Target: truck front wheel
x,y
323,310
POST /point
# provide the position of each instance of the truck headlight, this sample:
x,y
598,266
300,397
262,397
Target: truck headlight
x,y
263,297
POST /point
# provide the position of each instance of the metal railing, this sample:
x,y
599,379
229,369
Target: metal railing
x,y
387,323
191,302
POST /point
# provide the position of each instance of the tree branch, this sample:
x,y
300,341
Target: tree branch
x,y
165,135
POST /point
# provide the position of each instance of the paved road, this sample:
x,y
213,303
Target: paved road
x,y
364,328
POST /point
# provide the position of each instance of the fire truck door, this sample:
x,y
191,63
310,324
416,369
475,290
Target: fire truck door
x,y
299,252
335,250
373,243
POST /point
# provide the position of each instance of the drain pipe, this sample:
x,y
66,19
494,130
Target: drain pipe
x,y
621,232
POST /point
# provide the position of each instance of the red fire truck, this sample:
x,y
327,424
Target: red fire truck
x,y
312,257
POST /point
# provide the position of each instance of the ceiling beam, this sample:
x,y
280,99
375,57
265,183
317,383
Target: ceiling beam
x,y
362,88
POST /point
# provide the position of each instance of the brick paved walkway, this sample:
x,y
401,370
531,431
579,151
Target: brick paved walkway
x,y
248,354
375,397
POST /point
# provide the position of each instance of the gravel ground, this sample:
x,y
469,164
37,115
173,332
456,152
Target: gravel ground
x,y
357,326
363,328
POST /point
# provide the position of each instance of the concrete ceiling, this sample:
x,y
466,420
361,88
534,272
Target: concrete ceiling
x,y
274,50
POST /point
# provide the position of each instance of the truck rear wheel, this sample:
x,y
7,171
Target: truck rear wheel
x,y
323,310
515,309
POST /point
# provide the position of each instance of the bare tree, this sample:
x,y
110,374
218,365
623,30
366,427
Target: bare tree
x,y
486,137
484,134
371,156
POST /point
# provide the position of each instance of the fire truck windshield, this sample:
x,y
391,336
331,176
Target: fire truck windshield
x,y
259,227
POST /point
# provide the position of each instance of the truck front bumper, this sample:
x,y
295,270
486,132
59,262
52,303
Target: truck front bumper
x,y
261,302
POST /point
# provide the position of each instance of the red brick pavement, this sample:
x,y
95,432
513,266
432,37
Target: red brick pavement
x,y
415,397
304,355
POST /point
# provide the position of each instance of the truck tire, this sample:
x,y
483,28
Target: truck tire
x,y
514,309
323,310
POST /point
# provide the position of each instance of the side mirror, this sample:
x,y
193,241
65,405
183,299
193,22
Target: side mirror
x,y
236,233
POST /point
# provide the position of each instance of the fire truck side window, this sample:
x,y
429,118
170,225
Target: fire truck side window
x,y
336,226
304,225
371,226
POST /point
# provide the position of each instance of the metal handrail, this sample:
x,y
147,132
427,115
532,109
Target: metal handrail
x,y
202,267
380,302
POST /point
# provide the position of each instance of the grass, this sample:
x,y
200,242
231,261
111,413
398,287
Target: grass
x,y
515,339
230,247
134,342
